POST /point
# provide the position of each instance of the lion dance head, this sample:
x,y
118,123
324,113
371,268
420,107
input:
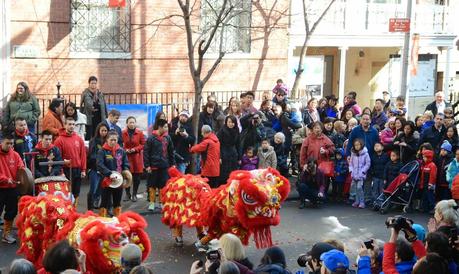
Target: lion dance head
x,y
47,219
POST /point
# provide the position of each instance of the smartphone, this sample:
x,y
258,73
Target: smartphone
x,y
213,255
368,244
200,263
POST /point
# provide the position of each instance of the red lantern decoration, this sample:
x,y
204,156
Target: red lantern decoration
x,y
117,3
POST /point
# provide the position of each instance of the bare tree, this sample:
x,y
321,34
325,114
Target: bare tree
x,y
308,32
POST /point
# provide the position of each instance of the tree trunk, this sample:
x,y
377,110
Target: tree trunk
x,y
195,122
299,69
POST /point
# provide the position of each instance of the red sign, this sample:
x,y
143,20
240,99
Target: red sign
x,y
117,3
399,25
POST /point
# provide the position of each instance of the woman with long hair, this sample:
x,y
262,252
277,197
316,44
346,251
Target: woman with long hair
x,y
310,113
407,143
95,144
70,110
230,151
322,109
53,118
22,104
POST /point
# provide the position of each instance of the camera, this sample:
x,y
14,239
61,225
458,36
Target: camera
x,y
213,255
368,244
398,223
303,260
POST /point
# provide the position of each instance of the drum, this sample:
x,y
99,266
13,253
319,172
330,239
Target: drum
x,y
54,185
25,179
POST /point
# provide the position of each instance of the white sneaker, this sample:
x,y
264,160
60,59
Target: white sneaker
x,y
8,239
151,207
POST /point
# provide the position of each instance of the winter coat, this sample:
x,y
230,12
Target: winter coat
x,y
267,159
271,269
433,107
50,153
281,156
24,142
433,136
95,144
52,122
369,137
29,110
136,142
209,148
10,163
251,136
115,128
378,164
352,105
230,150
452,171
359,164
428,170
287,125
408,152
386,136
80,125
442,162
379,120
392,170
341,167
87,105
158,151
453,141
111,159
406,267
332,112
72,148
249,163
338,139
311,148
182,145
309,117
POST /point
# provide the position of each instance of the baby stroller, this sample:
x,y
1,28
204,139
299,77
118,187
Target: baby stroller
x,y
400,191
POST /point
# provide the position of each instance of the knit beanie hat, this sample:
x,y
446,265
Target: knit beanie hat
x,y
446,146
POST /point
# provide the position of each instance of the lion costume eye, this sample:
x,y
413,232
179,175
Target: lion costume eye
x,y
247,199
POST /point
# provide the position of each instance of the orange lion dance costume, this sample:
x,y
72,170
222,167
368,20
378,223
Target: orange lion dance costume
x,y
248,204
43,220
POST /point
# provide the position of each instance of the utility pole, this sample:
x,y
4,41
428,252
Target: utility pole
x,y
406,50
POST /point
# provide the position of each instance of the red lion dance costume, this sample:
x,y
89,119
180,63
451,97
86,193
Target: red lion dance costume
x,y
44,220
247,204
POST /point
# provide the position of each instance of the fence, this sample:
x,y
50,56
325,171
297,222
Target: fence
x,y
171,101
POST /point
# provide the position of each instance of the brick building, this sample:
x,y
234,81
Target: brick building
x,y
134,49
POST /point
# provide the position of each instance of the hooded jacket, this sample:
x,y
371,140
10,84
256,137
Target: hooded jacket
x,y
370,137
378,164
341,167
359,164
392,170
442,163
209,148
111,159
51,153
159,151
10,163
452,171
24,142
72,148
267,159
428,170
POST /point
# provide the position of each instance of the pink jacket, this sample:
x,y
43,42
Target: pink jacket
x,y
386,136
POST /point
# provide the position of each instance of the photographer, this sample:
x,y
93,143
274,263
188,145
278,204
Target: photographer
x,y
437,242
253,131
182,137
398,254
370,257
312,258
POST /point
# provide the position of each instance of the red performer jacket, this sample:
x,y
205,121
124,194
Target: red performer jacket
x,y
428,170
72,148
10,163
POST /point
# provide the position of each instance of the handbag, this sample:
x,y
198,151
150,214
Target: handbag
x,y
327,168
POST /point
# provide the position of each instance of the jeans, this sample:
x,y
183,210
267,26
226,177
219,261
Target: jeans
x,y
367,188
357,186
94,184
377,187
182,167
428,200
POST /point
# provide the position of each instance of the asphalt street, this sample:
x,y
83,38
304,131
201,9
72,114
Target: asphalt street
x,y
298,230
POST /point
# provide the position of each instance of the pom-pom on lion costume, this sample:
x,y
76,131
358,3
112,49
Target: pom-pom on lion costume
x,y
247,204
44,220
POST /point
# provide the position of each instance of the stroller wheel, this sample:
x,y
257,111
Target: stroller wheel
x,y
376,207
383,211
407,209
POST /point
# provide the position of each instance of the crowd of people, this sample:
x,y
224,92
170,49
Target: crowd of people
x,y
338,153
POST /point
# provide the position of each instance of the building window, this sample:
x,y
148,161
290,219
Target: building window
x,y
234,32
96,27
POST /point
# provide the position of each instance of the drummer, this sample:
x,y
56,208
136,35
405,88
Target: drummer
x,y
47,152
10,163
110,159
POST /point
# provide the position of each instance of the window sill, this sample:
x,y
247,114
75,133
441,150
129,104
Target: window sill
x,y
235,55
100,55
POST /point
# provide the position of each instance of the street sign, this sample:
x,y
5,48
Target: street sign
x,y
399,25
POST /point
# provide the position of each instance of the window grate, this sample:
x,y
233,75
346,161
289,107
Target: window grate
x,y
95,27
234,33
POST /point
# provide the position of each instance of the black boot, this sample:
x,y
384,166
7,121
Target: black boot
x,y
128,195
134,197
302,204
90,202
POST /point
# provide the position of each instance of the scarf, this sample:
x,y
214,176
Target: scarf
x,y
163,141
43,150
23,134
131,132
111,149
